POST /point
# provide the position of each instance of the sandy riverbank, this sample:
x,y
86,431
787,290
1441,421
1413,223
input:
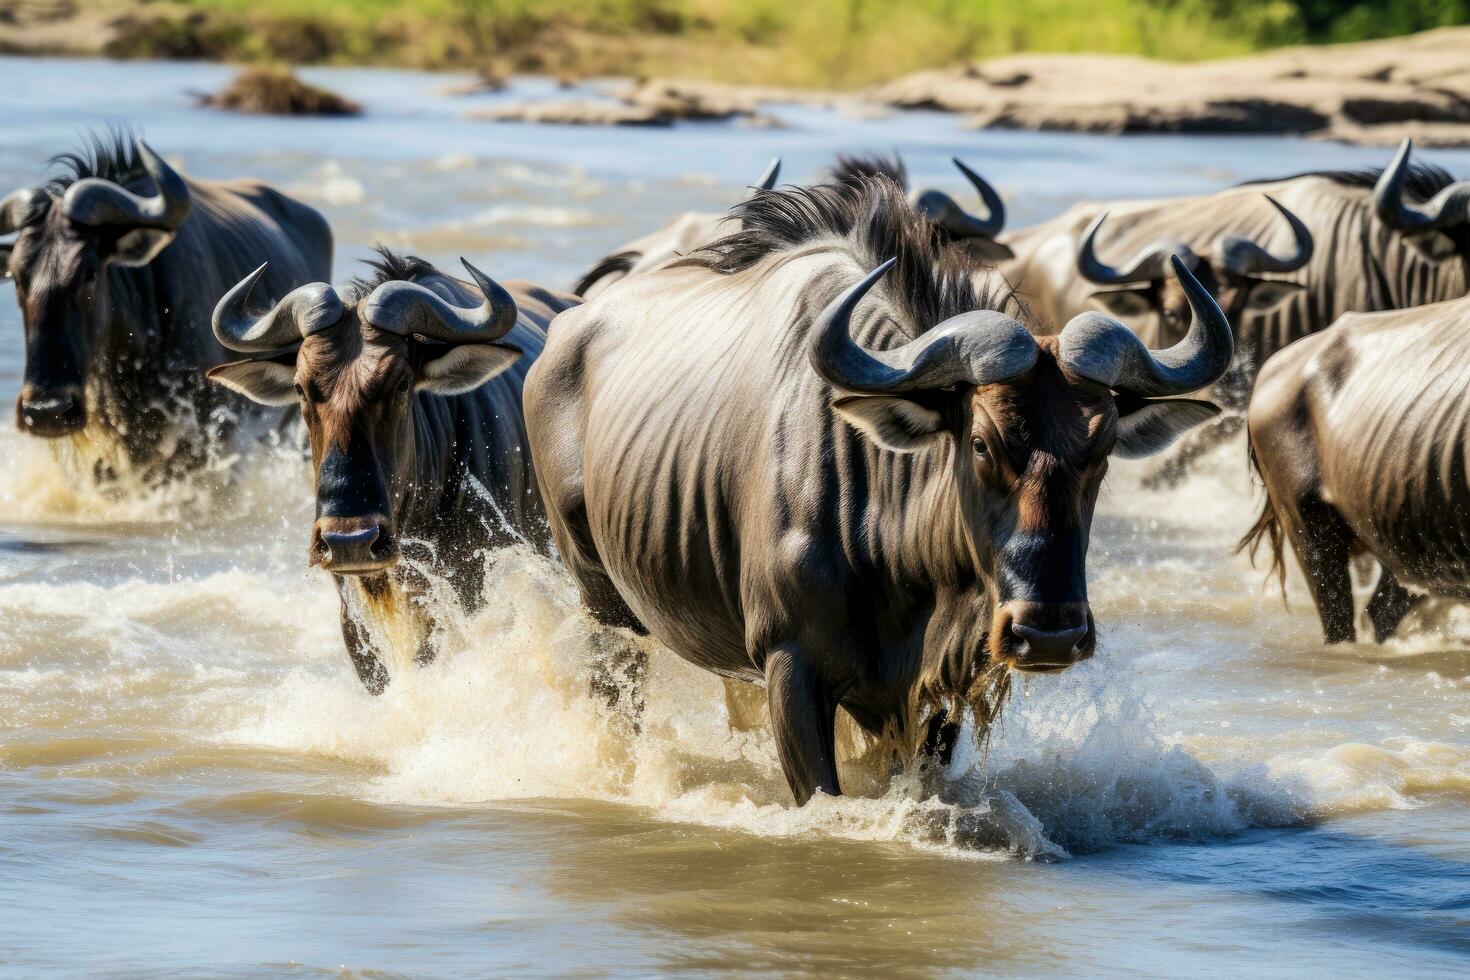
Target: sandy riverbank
x,y
1373,92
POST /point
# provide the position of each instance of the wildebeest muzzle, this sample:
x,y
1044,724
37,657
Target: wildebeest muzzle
x,y
353,545
1042,636
51,412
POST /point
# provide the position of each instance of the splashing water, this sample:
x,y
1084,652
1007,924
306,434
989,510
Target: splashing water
x,y
181,728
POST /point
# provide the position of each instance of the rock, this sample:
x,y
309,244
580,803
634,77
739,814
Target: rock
x,y
1349,92
686,99
487,81
1427,135
574,112
277,91
658,102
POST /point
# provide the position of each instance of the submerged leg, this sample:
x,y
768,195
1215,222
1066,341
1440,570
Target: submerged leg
x,y
1390,603
803,718
370,669
616,674
427,651
1322,541
940,741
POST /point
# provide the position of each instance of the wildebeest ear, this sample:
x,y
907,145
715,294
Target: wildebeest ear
x,y
464,367
269,381
893,423
1146,427
139,246
988,249
1132,301
1266,294
1435,246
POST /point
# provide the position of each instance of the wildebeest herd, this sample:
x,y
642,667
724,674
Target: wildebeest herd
x,y
844,441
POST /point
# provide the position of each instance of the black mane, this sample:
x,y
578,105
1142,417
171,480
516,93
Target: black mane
x,y
851,168
112,155
1422,182
390,266
932,279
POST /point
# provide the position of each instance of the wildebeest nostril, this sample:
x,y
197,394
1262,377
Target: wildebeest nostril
x,y
1050,643
348,550
361,538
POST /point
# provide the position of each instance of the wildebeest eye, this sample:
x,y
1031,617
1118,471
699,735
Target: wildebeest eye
x,y
979,446
404,384
300,392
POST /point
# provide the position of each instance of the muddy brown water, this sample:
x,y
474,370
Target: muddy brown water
x,y
193,783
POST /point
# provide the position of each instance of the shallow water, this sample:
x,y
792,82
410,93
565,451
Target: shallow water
x,y
192,782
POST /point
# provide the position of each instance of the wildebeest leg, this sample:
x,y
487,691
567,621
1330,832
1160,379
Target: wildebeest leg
x,y
804,719
1322,541
1390,603
940,741
616,674
370,669
427,651
603,600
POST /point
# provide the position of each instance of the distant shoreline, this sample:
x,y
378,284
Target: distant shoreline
x,y
1369,92
834,44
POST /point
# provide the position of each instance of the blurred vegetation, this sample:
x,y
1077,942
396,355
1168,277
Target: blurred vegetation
x,y
792,42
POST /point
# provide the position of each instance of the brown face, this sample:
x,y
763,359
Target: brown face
x,y
1030,456
357,388
355,385
1038,448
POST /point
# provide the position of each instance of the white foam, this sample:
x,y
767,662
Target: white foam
x,y
1132,746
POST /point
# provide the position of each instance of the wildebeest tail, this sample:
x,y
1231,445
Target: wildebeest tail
x,y
1266,528
620,262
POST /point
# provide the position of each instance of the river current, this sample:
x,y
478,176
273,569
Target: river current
x,y
193,782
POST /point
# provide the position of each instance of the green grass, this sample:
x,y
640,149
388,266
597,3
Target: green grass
x,y
799,42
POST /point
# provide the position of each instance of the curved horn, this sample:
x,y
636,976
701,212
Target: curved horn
x,y
19,207
302,312
1101,349
769,178
943,210
1244,257
1449,207
406,308
1146,266
981,347
94,201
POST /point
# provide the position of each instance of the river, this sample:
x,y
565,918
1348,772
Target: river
x,y
193,782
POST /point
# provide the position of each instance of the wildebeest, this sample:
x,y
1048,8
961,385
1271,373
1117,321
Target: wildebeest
x,y
861,495
117,266
1058,273
686,233
694,230
410,387
1335,243
1361,434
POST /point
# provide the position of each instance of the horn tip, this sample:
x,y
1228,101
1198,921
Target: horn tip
x,y
1093,227
474,272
